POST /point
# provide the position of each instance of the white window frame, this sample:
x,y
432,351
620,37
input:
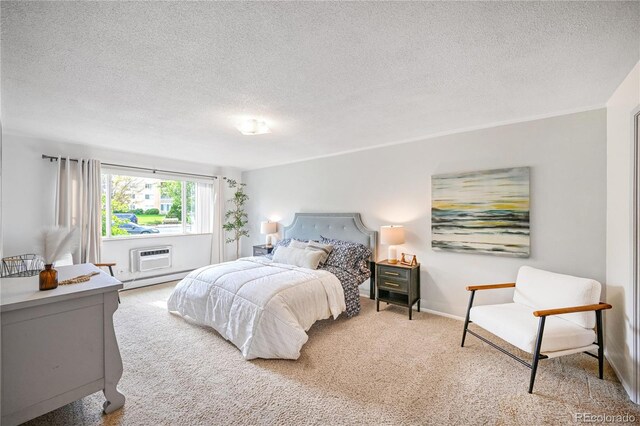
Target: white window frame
x,y
109,237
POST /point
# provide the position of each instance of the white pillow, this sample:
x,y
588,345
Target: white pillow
x,y
325,249
298,257
298,244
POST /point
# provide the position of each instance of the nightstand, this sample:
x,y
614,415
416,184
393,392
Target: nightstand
x,y
262,250
397,284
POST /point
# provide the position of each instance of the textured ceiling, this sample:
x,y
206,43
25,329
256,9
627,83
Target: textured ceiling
x,y
172,78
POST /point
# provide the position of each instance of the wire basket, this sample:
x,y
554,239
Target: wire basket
x,y
23,265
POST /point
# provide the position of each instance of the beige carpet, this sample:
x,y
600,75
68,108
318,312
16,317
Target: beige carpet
x,y
376,368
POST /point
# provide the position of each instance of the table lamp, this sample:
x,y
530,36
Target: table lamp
x,y
268,228
392,235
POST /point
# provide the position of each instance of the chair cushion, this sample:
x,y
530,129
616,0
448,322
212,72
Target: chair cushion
x,y
515,323
540,289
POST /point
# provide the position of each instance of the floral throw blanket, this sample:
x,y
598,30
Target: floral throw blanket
x,y
350,282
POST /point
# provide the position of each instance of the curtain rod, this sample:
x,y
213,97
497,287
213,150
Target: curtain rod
x,y
52,159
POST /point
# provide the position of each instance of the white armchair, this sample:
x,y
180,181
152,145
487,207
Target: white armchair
x,y
563,308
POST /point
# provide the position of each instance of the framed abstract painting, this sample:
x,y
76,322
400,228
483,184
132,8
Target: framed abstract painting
x,y
483,212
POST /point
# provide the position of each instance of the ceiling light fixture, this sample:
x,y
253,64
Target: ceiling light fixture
x,y
253,127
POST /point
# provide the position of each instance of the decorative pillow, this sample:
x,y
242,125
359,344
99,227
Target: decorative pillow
x,y
298,244
346,254
298,257
280,243
324,248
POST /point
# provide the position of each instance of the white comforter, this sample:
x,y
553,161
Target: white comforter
x,y
263,308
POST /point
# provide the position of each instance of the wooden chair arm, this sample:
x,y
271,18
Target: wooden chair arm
x,y
585,308
489,286
104,264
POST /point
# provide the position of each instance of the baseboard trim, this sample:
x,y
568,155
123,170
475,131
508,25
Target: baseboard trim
x,y
442,314
423,309
627,387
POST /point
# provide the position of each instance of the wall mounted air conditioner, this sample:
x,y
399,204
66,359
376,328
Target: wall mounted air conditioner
x,y
150,258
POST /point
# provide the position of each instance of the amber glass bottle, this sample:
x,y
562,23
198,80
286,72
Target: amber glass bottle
x,y
48,278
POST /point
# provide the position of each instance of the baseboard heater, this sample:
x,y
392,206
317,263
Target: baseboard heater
x,y
169,276
150,258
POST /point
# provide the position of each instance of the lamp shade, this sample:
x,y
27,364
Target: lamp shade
x,y
268,227
392,235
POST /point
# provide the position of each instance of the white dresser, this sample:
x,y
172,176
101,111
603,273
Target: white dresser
x,y
58,345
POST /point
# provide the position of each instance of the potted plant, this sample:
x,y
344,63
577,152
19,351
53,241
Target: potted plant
x,y
236,217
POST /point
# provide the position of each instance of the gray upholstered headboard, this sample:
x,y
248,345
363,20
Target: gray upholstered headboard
x,y
340,226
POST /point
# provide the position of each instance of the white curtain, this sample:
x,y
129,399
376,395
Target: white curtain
x,y
209,216
217,239
78,205
204,213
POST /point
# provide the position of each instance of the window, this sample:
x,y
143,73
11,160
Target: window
x,y
144,206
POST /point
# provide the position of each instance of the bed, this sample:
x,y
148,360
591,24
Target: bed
x,y
266,307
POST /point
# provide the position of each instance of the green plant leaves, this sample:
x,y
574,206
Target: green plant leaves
x,y
236,217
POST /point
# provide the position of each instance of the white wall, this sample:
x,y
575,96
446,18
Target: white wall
x,y
620,292
189,252
28,198
391,185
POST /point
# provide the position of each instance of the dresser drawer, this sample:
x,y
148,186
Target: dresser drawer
x,y
396,286
396,274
